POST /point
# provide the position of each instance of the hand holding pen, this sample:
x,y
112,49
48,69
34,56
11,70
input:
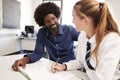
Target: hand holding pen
x,y
55,67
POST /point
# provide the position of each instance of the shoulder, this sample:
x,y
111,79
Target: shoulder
x,y
111,39
112,36
42,31
64,26
82,36
110,46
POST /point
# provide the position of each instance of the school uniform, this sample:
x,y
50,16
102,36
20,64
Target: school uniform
x,y
108,57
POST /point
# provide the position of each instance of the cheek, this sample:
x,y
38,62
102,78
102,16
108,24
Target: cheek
x,y
77,24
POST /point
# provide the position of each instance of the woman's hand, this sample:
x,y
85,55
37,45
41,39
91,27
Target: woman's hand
x,y
55,67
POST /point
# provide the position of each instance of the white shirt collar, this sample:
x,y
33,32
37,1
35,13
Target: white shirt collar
x,y
92,39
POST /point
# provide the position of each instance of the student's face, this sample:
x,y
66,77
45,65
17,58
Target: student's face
x,y
50,21
79,22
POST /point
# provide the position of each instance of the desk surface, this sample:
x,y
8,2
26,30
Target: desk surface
x,y
6,72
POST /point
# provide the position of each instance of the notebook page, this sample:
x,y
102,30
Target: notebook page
x,y
42,70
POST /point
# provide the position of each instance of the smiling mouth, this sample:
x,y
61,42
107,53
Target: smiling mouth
x,y
50,27
53,26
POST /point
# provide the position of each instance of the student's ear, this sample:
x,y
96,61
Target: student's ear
x,y
87,20
84,21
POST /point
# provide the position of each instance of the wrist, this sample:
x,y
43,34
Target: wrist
x,y
26,59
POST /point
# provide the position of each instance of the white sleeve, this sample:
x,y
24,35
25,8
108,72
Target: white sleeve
x,y
78,63
73,64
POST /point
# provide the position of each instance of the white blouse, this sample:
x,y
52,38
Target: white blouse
x,y
108,57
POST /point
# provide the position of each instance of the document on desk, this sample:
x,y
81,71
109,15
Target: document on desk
x,y
41,70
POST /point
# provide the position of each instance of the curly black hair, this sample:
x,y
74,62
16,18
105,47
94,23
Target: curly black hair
x,y
45,9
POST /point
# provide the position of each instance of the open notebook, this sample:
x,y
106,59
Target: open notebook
x,y
41,70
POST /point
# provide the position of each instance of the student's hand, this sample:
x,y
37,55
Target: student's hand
x,y
55,67
21,62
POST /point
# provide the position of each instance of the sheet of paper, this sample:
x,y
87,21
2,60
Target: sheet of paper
x,y
41,70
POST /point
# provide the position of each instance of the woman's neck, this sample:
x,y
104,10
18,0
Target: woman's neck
x,y
91,33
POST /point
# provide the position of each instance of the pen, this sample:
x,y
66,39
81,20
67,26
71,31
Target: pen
x,y
25,75
54,69
57,60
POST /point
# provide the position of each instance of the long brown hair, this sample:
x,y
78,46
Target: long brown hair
x,y
101,17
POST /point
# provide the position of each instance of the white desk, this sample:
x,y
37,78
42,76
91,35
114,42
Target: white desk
x,y
6,72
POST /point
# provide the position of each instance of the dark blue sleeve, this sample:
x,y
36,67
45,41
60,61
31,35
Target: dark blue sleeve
x,y
39,48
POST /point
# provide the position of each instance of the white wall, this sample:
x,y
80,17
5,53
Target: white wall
x,y
0,13
35,5
67,11
114,6
26,13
